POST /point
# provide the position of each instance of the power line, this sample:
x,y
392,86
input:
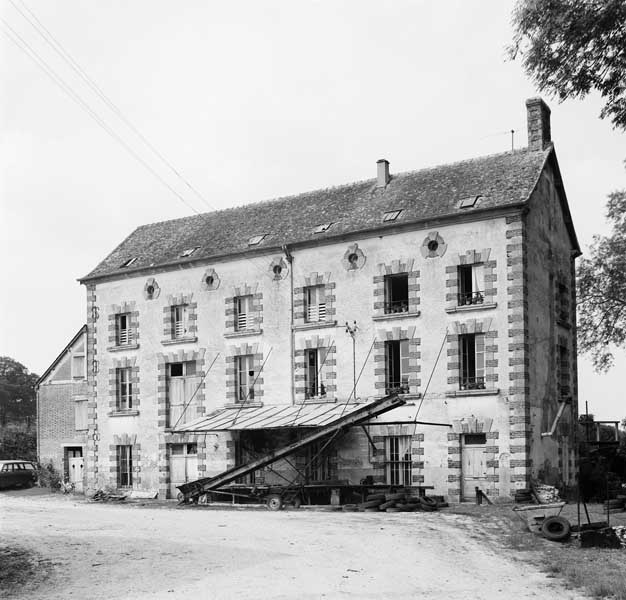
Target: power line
x,y
47,35
32,54
58,80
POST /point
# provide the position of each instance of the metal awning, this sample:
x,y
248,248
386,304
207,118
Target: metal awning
x,y
272,417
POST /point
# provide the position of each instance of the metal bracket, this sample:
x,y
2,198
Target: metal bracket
x,y
564,402
369,439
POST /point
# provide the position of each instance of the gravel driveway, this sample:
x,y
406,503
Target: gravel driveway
x,y
95,551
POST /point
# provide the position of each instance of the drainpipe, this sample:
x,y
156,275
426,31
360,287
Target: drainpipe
x,y
292,333
37,423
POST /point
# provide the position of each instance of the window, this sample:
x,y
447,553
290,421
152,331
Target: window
x,y
398,469
179,321
472,357
392,215
353,260
475,439
317,462
182,388
242,456
562,308
124,389
313,387
80,415
183,449
397,367
323,227
189,252
123,330
469,202
128,263
243,308
124,466
563,370
314,303
78,365
470,285
256,239
244,382
396,293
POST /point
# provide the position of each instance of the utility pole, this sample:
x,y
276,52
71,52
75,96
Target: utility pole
x,y
352,329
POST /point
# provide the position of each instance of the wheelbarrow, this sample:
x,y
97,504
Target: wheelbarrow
x,y
534,515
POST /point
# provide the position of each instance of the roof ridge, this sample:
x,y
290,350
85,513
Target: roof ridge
x,y
338,187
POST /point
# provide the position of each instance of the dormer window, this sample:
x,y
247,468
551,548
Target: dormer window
x,y
392,215
128,263
189,252
256,239
469,202
323,227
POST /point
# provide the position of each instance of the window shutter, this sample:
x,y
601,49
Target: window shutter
x,y
80,415
480,357
404,364
478,278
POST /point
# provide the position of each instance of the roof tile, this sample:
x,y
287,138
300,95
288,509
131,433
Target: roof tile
x,y
500,180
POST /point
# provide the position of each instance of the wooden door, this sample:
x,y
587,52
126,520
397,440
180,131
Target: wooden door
x,y
474,465
76,468
183,466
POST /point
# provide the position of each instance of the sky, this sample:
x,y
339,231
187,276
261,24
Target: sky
x,y
248,101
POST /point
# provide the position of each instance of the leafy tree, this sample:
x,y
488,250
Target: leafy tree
x,y
17,390
602,289
571,47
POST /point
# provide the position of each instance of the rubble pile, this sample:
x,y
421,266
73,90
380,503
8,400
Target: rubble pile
x,y
546,494
620,532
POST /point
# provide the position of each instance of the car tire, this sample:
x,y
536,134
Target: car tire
x,y
274,502
556,529
372,503
428,502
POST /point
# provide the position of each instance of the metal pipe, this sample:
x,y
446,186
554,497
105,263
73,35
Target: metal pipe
x,y
292,336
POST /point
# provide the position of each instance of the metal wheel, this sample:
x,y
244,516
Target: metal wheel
x,y
274,502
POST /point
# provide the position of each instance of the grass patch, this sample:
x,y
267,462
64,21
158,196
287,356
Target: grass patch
x,y
21,569
600,572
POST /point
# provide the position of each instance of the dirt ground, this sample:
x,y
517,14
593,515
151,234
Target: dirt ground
x,y
90,550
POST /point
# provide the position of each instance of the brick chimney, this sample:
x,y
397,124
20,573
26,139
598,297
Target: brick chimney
x,y
538,117
382,172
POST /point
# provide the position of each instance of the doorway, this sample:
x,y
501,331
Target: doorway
x,y
183,465
474,464
75,466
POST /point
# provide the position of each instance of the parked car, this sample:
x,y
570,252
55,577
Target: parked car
x,y
17,473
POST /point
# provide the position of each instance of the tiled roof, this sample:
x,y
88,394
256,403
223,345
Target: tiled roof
x,y
500,180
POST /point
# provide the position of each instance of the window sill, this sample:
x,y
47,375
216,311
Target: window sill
x,y
486,392
244,405
244,333
471,307
182,340
408,397
122,348
389,317
318,400
123,413
314,325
